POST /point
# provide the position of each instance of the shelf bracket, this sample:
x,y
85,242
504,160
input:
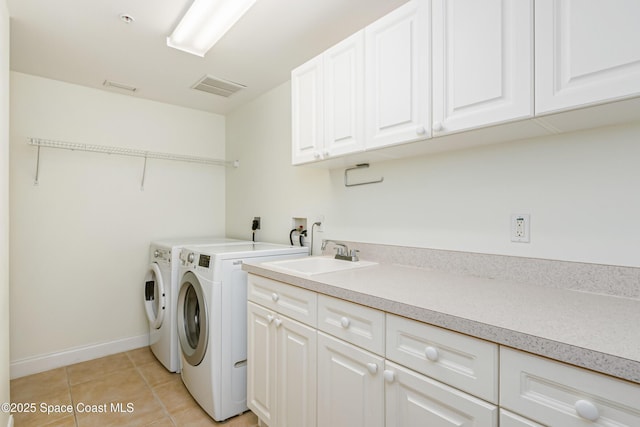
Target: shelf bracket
x,y
358,166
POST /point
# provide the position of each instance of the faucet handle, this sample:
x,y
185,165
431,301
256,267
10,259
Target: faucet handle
x,y
354,254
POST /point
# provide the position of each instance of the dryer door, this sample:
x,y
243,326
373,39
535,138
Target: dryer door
x,y
192,319
154,296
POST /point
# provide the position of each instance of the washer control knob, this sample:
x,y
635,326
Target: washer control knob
x,y
156,253
191,257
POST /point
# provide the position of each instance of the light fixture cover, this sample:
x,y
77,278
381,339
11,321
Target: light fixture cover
x,y
205,23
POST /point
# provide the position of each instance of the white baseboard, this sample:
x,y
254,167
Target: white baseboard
x,y
33,365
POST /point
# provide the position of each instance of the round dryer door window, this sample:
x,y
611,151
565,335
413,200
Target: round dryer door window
x,y
154,296
192,319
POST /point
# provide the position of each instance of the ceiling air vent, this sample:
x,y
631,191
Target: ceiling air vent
x,y
217,86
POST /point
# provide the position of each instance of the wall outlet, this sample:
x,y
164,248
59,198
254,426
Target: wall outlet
x,y
255,224
520,226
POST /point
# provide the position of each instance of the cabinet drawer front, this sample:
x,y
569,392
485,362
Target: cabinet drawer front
x,y
354,323
297,303
464,362
508,419
557,394
413,399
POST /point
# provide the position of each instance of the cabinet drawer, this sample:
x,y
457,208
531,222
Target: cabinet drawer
x,y
508,419
464,362
297,303
354,323
557,394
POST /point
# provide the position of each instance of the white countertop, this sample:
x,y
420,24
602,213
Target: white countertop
x,y
597,332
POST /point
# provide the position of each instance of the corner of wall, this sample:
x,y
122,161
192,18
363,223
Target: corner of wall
x,y
5,418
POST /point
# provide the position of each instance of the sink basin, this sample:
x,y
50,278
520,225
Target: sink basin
x,y
316,265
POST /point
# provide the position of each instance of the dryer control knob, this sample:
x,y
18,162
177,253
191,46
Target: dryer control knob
x,y
191,257
156,253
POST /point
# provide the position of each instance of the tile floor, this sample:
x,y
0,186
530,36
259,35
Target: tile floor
x,y
135,378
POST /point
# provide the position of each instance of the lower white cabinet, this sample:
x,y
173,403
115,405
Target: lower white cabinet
x,y
329,367
350,385
415,400
556,394
281,379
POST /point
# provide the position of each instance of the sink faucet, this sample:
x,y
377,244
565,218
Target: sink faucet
x,y
342,251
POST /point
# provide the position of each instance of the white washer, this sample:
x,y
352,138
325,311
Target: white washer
x,y
160,291
212,322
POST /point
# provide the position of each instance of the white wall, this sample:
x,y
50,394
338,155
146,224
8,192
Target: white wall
x,y
580,190
4,208
80,239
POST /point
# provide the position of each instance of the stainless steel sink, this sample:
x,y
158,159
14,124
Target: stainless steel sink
x,y
316,265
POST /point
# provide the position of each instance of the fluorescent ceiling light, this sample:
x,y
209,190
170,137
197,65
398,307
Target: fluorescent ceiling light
x,y
205,23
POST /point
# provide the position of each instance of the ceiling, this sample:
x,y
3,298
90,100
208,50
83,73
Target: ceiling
x,y
85,42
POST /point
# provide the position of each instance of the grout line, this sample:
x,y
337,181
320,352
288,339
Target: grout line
x,y
155,395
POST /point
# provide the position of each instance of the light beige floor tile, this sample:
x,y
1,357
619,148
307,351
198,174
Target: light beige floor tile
x,y
92,369
248,419
121,385
68,421
141,356
175,397
48,408
156,374
32,387
159,398
140,411
193,417
165,422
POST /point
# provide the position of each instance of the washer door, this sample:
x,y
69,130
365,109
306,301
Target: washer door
x,y
155,297
193,324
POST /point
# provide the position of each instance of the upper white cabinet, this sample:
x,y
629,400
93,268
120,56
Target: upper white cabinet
x,y
482,63
587,52
397,76
343,97
328,103
307,106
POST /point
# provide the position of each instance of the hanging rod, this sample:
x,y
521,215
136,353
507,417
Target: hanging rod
x,y
359,166
74,146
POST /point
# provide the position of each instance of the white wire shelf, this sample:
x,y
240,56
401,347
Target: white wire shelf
x,y
122,151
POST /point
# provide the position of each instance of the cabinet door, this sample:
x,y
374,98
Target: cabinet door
x,y
397,76
587,52
344,97
307,112
261,362
296,371
482,63
415,400
350,385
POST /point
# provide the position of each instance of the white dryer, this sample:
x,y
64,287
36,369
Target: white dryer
x,y
212,322
160,290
